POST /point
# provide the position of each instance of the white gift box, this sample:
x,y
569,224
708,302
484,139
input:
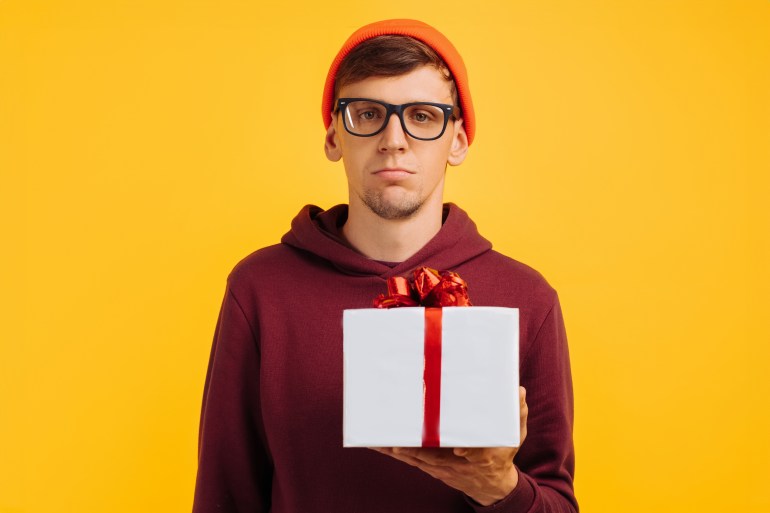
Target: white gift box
x,y
384,377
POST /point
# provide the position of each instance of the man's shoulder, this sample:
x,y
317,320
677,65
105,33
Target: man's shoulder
x,y
266,269
262,262
516,268
502,275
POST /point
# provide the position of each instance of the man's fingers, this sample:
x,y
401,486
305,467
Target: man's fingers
x,y
401,456
438,456
477,455
460,451
523,413
434,456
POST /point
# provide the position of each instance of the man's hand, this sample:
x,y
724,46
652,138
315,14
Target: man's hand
x,y
485,474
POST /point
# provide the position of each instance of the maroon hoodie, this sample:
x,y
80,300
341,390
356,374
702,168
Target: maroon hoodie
x,y
271,424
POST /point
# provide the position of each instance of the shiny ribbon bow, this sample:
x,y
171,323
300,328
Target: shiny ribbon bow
x,y
429,288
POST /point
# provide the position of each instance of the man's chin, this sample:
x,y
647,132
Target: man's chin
x,y
391,210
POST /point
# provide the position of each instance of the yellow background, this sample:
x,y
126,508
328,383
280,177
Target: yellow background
x,y
146,146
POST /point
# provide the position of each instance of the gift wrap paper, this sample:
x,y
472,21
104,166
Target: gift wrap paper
x,y
383,370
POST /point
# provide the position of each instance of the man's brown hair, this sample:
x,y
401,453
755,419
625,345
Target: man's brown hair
x,y
390,56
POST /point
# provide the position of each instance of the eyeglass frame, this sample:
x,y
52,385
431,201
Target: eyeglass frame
x,y
449,110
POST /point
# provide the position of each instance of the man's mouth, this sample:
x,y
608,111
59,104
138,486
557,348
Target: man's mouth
x,y
393,173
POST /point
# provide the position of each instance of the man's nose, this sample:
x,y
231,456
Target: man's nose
x,y
393,137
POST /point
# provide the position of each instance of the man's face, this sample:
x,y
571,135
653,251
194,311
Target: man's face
x,y
392,173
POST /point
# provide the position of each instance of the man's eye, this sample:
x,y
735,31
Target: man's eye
x,y
423,117
367,115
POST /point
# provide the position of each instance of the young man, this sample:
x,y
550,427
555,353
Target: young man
x,y
397,110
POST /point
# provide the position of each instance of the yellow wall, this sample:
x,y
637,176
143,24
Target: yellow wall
x,y
146,146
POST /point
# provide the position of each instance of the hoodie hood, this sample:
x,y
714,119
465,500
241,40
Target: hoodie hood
x,y
318,231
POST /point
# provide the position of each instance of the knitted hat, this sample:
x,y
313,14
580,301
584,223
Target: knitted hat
x,y
418,30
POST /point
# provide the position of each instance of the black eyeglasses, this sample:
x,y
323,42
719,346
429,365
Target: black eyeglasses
x,y
425,121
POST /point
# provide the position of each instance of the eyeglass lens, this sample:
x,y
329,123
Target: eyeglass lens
x,y
421,120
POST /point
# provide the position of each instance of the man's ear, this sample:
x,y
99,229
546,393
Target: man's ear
x,y
332,143
459,147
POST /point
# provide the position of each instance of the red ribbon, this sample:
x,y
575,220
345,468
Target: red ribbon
x,y
433,290
432,379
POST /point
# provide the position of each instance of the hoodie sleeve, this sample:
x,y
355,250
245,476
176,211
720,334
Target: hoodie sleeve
x,y
234,468
546,460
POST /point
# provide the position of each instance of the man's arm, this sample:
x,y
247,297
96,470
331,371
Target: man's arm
x,y
234,469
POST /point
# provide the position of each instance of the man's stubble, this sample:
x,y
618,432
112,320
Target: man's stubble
x,y
403,209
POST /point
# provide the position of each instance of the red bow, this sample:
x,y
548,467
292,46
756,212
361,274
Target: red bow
x,y
429,287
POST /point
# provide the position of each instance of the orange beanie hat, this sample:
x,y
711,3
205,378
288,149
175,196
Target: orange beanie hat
x,y
418,30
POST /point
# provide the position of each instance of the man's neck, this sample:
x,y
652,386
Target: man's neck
x,y
391,240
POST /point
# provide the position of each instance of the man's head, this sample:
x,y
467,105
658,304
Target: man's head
x,y
397,112
382,59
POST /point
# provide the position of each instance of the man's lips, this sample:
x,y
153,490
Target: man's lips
x,y
393,173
